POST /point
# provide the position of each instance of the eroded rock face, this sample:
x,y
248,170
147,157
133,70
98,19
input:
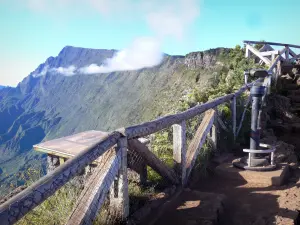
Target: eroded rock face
x,y
277,122
278,106
206,59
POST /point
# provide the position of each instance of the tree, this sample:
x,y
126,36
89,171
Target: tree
x,y
259,46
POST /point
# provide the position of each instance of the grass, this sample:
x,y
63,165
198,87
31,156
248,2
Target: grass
x,y
138,196
57,208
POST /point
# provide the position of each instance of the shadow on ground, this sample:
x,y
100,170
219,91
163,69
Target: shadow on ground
x,y
219,200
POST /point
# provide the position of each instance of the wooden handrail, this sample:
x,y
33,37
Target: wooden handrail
x,y
94,193
154,126
198,141
271,43
16,207
153,161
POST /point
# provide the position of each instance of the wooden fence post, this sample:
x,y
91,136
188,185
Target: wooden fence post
x,y
287,52
179,149
233,111
144,174
247,52
119,199
61,160
214,132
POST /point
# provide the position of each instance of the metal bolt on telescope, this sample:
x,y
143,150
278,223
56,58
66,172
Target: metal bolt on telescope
x,y
256,159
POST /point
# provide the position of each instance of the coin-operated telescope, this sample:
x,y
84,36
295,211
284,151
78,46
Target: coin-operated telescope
x,y
255,160
260,74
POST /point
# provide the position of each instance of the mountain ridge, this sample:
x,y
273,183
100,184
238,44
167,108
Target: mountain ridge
x,y
50,106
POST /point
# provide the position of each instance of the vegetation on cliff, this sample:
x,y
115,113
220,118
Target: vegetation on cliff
x,y
227,80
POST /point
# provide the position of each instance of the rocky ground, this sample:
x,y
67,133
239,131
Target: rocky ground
x,y
255,204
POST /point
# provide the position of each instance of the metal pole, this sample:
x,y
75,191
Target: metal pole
x,y
256,92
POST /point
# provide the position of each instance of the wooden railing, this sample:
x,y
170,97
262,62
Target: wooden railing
x,y
115,163
271,57
112,149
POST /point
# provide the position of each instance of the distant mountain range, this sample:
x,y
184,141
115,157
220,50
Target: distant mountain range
x,y
47,105
1,87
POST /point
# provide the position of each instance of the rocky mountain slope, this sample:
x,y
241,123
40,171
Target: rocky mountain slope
x,y
47,105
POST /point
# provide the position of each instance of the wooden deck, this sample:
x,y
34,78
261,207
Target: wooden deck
x,y
69,146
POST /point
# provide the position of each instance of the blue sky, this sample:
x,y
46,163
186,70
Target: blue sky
x,y
33,30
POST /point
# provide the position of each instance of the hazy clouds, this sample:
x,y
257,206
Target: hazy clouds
x,y
143,52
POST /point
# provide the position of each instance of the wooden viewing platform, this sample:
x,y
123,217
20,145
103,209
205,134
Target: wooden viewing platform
x,y
69,146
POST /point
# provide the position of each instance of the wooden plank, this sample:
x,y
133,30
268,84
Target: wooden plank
x,y
198,141
295,57
179,149
274,64
247,52
143,175
282,51
61,160
70,146
120,203
270,53
233,116
292,53
153,161
148,128
214,132
261,62
258,54
16,207
94,193
287,52
221,123
271,43
273,57
136,163
267,84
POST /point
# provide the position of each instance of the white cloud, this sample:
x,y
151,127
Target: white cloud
x,y
69,71
142,53
66,71
43,73
172,18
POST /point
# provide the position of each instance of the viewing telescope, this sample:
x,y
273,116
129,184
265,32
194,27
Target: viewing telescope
x,y
261,74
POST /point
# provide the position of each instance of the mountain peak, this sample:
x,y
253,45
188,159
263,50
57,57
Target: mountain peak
x,y
74,56
67,50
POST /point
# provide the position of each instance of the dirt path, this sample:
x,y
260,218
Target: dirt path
x,y
249,204
238,203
